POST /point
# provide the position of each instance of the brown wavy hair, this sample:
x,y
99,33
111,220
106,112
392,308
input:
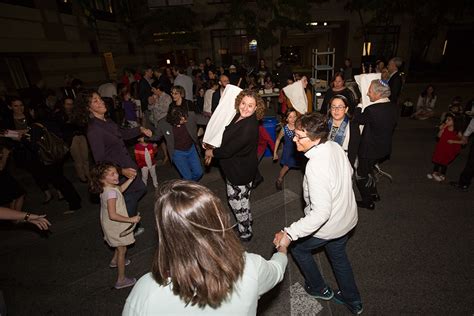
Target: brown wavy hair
x,y
260,111
197,248
81,113
97,174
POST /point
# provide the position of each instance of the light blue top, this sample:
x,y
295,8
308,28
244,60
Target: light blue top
x,y
259,276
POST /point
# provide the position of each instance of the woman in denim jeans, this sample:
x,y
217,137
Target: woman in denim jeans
x,y
180,132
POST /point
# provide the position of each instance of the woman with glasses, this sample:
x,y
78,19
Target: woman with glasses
x,y
178,94
338,87
341,130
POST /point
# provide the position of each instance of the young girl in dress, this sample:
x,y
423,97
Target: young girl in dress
x,y
118,232
447,148
145,153
290,157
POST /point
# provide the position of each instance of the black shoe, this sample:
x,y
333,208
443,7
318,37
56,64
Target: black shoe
x,y
375,197
355,307
327,294
369,206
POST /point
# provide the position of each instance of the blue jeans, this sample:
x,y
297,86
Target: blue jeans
x,y
336,251
188,163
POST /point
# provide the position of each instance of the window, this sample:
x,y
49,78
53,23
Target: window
x,y
234,45
382,41
103,10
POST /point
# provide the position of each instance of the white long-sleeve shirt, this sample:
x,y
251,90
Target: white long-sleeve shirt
x,y
331,208
426,103
208,100
259,276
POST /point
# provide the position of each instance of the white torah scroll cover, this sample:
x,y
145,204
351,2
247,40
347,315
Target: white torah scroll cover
x,y
296,93
222,116
363,81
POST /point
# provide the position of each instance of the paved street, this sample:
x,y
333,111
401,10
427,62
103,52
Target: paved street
x,y
413,254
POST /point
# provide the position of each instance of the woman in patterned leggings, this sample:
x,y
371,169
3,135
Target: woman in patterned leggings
x,y
238,157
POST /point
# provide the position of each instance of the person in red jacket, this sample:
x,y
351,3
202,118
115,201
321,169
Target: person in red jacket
x,y
145,158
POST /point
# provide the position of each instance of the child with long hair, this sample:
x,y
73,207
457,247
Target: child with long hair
x,y
118,232
447,148
290,158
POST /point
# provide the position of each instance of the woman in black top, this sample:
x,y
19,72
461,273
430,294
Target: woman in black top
x,y
26,154
238,157
177,94
338,88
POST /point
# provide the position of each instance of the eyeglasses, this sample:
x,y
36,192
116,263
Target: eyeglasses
x,y
298,137
337,108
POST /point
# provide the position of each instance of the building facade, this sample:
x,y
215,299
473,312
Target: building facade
x,y
54,40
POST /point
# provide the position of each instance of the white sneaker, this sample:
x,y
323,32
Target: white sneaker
x,y
438,178
140,230
429,176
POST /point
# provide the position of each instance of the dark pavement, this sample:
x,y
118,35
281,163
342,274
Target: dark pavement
x,y
413,254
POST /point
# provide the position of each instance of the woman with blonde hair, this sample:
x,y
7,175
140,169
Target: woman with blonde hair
x,y
200,267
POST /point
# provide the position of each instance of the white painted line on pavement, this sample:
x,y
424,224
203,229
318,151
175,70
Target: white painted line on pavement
x,y
301,303
272,202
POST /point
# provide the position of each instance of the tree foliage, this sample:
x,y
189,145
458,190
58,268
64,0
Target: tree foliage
x,y
264,19
170,25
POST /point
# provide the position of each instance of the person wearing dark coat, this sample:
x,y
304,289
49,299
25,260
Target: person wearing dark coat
x,y
237,157
379,120
216,96
395,80
144,88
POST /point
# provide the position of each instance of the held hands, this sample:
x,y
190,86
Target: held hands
x,y
281,241
146,131
129,173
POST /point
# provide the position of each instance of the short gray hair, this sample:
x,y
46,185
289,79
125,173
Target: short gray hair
x,y
397,61
380,87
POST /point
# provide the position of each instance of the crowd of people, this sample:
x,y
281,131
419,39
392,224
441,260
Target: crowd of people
x,y
200,266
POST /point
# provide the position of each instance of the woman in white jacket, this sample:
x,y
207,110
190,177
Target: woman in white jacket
x,y
330,213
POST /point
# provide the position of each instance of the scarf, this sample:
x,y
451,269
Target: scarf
x,y
341,131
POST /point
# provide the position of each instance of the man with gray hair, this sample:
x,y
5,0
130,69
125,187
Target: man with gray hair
x,y
379,120
395,80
